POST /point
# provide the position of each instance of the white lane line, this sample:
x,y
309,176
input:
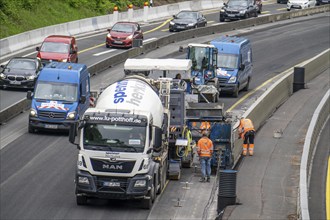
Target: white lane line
x,y
150,39
104,52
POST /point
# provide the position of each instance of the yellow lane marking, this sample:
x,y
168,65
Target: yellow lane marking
x,y
164,30
164,187
100,45
327,200
265,12
156,28
250,93
281,9
210,22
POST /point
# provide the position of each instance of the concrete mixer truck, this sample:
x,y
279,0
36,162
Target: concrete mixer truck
x,y
123,142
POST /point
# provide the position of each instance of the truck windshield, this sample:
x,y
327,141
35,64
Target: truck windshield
x,y
118,138
55,47
200,57
229,61
56,91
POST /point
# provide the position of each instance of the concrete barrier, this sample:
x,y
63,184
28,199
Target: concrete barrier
x,y
180,36
319,119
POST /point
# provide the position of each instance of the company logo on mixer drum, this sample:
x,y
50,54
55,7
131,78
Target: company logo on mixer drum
x,y
137,92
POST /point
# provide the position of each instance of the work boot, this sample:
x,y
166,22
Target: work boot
x,y
251,148
244,149
208,179
202,180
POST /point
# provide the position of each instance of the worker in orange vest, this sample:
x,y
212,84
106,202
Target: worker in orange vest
x,y
246,132
205,150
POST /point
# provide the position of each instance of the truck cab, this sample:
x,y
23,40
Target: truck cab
x,y
61,95
58,48
234,69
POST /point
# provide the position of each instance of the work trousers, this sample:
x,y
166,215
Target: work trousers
x,y
205,166
249,137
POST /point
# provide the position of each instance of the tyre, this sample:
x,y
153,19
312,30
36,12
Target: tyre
x,y
222,19
107,46
246,88
147,203
235,93
81,200
31,129
288,9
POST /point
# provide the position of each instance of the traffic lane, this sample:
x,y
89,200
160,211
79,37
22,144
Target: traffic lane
x,y
317,188
92,48
111,74
267,183
37,183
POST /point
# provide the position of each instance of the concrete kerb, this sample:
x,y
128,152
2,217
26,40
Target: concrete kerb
x,y
320,117
100,66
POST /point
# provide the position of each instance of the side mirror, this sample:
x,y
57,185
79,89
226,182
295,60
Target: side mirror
x,y
82,99
2,66
174,16
242,67
149,150
29,95
73,134
108,30
37,48
225,4
181,49
158,138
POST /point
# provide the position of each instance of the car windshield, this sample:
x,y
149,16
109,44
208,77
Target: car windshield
x,y
199,57
118,138
56,91
127,28
55,47
238,3
21,64
187,15
227,61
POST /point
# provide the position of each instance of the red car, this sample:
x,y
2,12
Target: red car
x,y
58,48
122,34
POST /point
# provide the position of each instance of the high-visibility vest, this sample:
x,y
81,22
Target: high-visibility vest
x,y
204,147
205,125
245,126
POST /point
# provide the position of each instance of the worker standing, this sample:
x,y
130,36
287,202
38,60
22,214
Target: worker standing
x,y
246,132
205,150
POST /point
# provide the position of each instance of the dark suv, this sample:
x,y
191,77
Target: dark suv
x,y
238,9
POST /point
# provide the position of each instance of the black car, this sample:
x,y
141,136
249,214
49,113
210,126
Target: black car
x,y
238,9
20,72
185,20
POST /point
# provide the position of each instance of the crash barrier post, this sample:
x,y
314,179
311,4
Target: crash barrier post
x,y
319,119
220,28
227,189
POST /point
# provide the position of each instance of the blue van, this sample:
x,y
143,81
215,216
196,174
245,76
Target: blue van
x,y
61,95
234,67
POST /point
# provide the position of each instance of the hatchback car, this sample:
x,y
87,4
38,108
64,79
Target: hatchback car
x,y
238,9
300,4
58,48
185,20
20,72
122,34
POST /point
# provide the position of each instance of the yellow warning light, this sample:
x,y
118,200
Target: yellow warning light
x,y
69,67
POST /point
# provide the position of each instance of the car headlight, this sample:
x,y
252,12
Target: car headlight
x,y
191,24
242,12
71,115
172,23
33,112
2,76
83,180
30,77
63,60
129,37
232,79
109,35
140,183
222,10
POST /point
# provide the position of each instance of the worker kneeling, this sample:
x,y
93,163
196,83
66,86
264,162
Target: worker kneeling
x,y
246,132
205,150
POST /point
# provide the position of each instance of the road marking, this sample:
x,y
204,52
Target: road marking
x,y
150,39
164,30
281,9
210,22
265,12
327,199
156,28
104,52
91,48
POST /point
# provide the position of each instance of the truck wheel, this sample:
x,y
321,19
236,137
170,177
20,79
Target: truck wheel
x,y
147,203
81,200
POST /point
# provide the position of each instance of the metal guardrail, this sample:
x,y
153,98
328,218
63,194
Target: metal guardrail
x,y
220,28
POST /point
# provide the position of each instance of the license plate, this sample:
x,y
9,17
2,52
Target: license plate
x,y
180,27
295,6
111,184
49,126
15,82
118,42
230,15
